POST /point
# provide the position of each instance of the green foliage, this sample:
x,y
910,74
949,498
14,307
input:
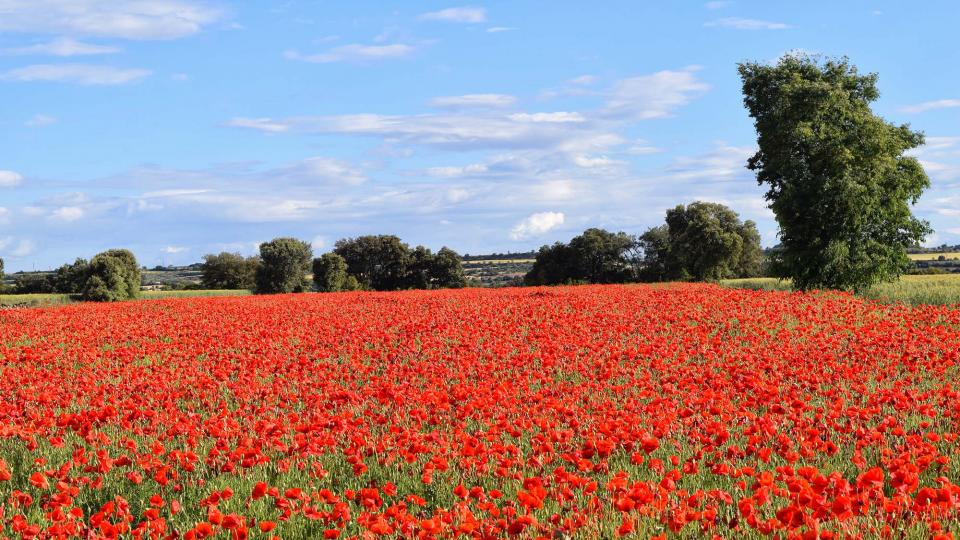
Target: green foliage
x,y
708,242
1,269
377,262
284,265
330,273
837,177
229,271
384,263
71,278
112,276
446,270
655,263
595,256
32,283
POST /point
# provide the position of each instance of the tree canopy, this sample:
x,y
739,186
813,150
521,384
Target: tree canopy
x,y
229,271
284,264
111,276
836,174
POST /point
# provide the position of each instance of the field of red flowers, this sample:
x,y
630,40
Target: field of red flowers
x,y
580,412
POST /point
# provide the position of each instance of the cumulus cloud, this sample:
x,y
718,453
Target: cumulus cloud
x,y
83,74
173,250
536,225
128,19
10,178
463,14
741,23
931,106
470,101
60,47
355,52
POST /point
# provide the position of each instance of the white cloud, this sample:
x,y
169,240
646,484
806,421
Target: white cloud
x,y
128,19
583,80
173,250
653,96
23,248
84,74
740,23
67,214
4,215
474,169
41,120
318,242
260,124
536,225
473,101
553,117
60,47
321,169
10,179
354,52
722,163
589,162
931,106
498,29
464,14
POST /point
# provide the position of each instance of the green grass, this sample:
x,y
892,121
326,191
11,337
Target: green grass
x,y
922,289
36,300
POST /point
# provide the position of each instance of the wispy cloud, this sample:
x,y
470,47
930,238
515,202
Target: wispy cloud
x,y
128,19
498,29
354,52
465,14
653,96
741,23
84,74
469,101
41,120
931,105
60,47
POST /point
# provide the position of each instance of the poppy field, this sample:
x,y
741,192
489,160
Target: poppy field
x,y
688,411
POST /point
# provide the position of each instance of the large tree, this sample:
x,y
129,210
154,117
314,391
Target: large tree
x,y
708,242
836,174
378,262
111,276
595,256
284,264
446,270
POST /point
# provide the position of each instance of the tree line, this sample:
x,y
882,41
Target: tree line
x,y
372,262
701,241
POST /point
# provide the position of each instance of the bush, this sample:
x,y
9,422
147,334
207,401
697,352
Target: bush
x,y
284,264
112,276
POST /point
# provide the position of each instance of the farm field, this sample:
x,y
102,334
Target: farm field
x,y
933,256
585,412
943,289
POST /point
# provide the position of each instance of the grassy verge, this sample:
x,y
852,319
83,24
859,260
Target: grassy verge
x,y
924,289
36,300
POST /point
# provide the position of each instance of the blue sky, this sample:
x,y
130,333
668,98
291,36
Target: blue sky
x,y
183,127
